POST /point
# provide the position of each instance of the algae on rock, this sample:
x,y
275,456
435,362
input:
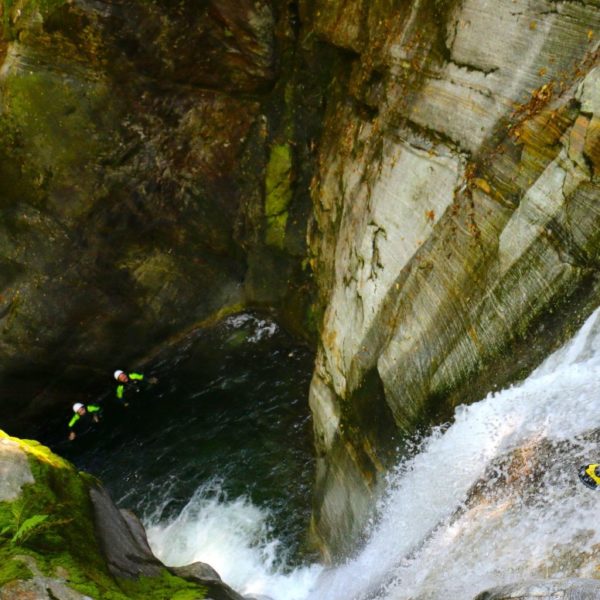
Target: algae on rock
x,y
278,194
63,555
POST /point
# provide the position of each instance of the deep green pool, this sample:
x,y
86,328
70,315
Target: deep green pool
x,y
230,408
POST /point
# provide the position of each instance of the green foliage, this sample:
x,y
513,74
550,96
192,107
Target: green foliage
x,y
23,527
30,526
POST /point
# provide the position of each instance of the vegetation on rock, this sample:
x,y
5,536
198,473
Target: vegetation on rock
x,y
52,523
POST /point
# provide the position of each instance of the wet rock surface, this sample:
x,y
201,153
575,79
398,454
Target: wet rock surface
x,y
455,234
565,589
205,575
39,587
85,543
14,470
135,143
127,552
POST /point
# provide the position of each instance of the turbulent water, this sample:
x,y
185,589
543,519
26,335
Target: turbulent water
x,y
495,497
217,456
489,499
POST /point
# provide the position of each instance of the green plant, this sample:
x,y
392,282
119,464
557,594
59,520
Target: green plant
x,y
29,527
23,527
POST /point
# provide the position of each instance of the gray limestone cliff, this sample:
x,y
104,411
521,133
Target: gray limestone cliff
x,y
457,219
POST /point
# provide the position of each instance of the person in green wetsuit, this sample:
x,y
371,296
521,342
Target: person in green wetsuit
x,y
126,381
83,418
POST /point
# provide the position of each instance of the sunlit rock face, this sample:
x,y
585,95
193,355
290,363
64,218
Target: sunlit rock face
x,y
136,147
569,589
155,170
456,219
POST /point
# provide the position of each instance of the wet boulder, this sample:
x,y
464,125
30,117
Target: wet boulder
x,y
565,589
62,537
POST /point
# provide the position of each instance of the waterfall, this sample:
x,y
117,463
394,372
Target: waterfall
x,y
490,499
234,537
495,497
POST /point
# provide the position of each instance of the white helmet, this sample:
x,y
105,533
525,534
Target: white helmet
x,y
77,406
117,373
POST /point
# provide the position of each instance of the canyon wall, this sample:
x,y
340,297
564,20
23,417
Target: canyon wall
x,y
153,176
455,238
414,183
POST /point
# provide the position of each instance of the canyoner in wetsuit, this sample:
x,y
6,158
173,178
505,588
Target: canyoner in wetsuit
x,y
590,475
126,381
83,419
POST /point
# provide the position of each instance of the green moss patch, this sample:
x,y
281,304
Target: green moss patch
x,y
59,117
63,543
11,568
168,586
278,193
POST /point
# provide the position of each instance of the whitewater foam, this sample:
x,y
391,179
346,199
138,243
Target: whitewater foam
x,y
491,499
469,511
234,537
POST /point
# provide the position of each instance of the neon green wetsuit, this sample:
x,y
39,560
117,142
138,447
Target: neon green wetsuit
x,y
76,418
121,387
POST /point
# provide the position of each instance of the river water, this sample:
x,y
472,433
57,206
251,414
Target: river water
x,y
217,457
493,498
220,471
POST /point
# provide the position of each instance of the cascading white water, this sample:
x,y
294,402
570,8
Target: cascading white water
x,y
233,537
439,537
492,499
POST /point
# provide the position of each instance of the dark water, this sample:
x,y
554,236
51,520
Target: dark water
x,y
230,404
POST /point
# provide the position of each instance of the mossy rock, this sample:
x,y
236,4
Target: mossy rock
x,y
278,194
62,542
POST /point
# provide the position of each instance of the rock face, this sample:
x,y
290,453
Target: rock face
x,y
14,470
565,589
122,541
62,537
155,170
138,139
456,223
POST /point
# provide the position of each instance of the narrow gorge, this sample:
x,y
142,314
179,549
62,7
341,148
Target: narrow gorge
x,y
384,212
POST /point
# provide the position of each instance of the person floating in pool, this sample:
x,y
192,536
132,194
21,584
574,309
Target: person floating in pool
x,y
127,383
84,418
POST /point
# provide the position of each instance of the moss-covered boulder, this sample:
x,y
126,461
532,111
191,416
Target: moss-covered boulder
x,y
62,537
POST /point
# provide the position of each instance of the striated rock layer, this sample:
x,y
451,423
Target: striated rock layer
x,y
158,164
457,219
